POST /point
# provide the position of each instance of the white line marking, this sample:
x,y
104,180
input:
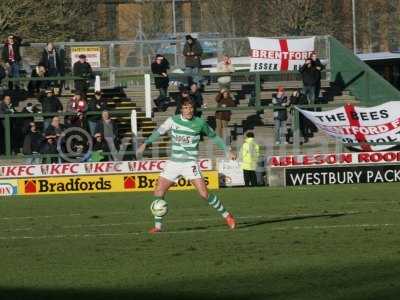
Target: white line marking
x,y
111,235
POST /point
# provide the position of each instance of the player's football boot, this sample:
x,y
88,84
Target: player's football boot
x,y
230,221
155,230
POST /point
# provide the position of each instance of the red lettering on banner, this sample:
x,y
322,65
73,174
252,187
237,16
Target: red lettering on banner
x,y
350,112
29,170
99,168
284,60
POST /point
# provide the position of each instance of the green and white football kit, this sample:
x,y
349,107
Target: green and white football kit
x,y
185,138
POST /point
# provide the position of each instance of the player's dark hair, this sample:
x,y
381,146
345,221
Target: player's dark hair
x,y
188,101
250,134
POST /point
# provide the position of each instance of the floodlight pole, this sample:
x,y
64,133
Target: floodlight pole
x,y
174,29
353,4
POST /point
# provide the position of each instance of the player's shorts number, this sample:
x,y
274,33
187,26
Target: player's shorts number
x,y
195,170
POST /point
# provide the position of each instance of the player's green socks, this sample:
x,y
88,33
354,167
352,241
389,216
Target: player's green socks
x,y
214,202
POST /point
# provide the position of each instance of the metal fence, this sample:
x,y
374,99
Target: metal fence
x,y
119,58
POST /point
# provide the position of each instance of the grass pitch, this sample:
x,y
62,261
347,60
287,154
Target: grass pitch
x,y
331,242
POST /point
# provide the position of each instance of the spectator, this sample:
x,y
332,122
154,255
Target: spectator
x,y
11,56
197,97
222,117
108,130
52,135
311,76
2,74
50,104
32,144
37,86
52,63
298,98
225,66
319,66
95,104
7,108
160,67
250,153
192,51
100,149
26,121
184,94
280,101
77,105
82,69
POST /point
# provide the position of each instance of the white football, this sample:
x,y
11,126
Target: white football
x,y
159,208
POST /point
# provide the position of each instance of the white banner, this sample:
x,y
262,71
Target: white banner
x,y
92,55
354,124
279,54
230,173
97,168
334,159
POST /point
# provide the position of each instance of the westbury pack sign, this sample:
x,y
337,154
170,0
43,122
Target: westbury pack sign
x,y
279,54
363,125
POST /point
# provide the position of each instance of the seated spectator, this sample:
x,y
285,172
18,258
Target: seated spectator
x,y
95,104
52,134
52,63
82,69
50,105
225,66
76,105
160,67
184,94
222,117
197,97
108,130
281,102
32,144
26,121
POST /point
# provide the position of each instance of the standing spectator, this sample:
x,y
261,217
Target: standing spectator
x,y
52,63
77,105
192,51
319,67
197,97
52,135
311,76
108,130
95,104
298,98
82,69
50,104
250,152
184,94
32,144
160,67
7,108
225,66
11,56
280,101
37,86
222,117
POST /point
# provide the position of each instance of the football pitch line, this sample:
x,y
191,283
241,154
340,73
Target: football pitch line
x,y
194,230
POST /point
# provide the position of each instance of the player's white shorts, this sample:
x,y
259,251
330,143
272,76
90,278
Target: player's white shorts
x,y
174,170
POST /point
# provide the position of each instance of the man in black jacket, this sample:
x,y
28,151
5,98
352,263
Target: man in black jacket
x,y
32,144
311,77
82,69
50,104
52,63
160,68
11,56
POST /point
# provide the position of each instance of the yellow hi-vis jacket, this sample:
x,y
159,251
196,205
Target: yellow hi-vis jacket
x,y
250,152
